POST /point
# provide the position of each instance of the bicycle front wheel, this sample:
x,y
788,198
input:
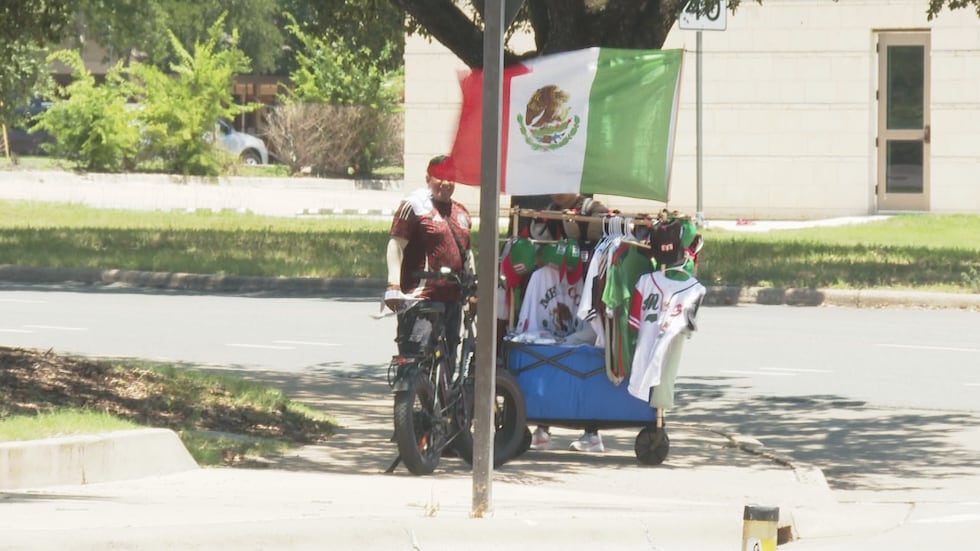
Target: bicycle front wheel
x,y
509,421
420,430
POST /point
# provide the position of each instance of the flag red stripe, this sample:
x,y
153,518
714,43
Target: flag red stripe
x,y
463,165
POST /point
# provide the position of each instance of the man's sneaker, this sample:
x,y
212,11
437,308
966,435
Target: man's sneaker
x,y
541,440
589,442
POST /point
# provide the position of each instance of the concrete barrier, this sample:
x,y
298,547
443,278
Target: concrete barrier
x,y
86,459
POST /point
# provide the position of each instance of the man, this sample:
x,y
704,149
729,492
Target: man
x,y
429,231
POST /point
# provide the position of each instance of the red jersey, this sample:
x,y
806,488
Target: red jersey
x,y
438,236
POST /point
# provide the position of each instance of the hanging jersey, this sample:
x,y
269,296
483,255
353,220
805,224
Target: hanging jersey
x,y
626,265
592,290
438,236
550,304
661,309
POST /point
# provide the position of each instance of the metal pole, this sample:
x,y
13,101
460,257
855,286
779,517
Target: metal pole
x,y
486,345
699,214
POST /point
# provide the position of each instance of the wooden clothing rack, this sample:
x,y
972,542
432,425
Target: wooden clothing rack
x,y
640,219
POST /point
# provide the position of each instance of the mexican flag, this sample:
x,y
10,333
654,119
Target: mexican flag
x,y
598,120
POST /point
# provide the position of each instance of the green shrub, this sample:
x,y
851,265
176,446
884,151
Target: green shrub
x,y
179,112
92,126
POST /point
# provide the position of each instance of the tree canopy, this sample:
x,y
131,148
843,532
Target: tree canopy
x,y
564,25
26,28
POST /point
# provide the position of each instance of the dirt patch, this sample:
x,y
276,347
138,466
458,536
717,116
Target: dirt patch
x,y
33,382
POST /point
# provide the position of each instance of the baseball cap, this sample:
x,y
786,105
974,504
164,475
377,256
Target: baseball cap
x,y
518,261
571,266
553,253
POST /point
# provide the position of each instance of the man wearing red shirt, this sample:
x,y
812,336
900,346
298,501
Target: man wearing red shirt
x,y
429,231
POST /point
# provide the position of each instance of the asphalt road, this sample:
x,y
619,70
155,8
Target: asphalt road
x,y
890,357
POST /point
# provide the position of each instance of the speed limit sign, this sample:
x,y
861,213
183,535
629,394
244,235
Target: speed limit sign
x,y
704,15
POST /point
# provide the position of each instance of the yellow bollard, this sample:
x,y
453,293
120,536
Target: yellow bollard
x,y
760,528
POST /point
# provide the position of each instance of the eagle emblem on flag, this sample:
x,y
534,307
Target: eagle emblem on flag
x,y
546,123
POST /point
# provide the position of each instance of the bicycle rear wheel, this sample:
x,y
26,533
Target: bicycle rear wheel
x,y
509,421
420,431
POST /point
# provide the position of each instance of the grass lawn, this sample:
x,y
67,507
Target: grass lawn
x,y
926,252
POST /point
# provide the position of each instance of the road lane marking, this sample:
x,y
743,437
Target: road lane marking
x,y
266,346
308,343
795,370
767,373
57,327
966,517
927,347
2,330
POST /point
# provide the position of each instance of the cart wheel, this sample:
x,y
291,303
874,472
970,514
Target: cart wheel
x,y
525,443
652,445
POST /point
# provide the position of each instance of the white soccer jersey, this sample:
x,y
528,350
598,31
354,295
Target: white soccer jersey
x,y
550,304
586,310
661,309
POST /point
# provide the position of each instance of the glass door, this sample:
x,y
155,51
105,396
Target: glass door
x,y
903,121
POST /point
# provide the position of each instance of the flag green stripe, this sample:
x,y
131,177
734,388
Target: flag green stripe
x,y
629,123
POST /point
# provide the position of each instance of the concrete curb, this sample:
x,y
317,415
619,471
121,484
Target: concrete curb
x,y
859,298
189,282
310,286
87,459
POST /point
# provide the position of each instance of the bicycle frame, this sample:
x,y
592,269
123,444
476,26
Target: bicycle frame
x,y
444,412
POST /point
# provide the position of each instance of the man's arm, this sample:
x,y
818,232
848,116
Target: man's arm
x,y
394,255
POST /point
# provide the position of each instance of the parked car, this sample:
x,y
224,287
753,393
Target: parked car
x,y
21,139
250,149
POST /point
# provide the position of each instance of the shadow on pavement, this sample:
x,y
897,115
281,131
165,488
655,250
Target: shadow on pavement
x,y
856,446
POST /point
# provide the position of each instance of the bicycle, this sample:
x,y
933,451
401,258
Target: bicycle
x,y
434,391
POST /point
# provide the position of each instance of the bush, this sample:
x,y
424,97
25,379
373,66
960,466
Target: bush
x,y
331,140
342,115
180,112
92,127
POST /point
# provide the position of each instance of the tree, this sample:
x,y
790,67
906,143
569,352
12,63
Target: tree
x,y
128,29
39,21
26,28
564,25
139,29
373,24
936,6
337,117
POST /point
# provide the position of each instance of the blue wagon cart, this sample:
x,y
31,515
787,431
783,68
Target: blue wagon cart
x,y
567,386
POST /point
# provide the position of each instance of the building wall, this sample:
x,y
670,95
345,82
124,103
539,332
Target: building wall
x,y
789,111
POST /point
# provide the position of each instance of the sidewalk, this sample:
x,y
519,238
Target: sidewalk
x,y
336,495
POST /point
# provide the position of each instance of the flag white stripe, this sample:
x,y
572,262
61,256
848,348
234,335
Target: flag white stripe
x,y
561,168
